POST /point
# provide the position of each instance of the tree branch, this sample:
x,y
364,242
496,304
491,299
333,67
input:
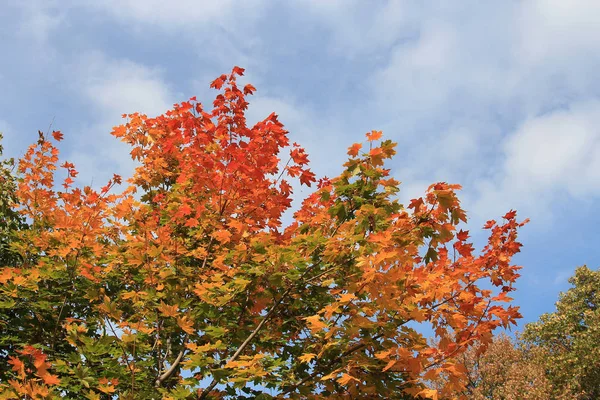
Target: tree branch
x,y
167,374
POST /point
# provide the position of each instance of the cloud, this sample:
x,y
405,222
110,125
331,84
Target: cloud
x,y
38,20
180,14
357,28
116,86
546,158
112,87
469,99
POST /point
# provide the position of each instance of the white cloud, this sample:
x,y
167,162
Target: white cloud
x,y
357,27
112,87
115,87
547,157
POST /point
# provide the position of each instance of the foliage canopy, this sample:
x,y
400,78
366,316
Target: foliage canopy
x,y
185,284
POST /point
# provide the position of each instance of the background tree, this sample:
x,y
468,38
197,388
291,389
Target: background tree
x,y
571,336
186,285
505,369
10,220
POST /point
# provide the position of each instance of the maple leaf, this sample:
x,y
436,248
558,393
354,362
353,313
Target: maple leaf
x,y
315,323
168,311
219,82
510,215
50,379
222,235
191,223
185,324
489,224
345,378
347,297
249,89
462,235
305,358
238,71
307,177
57,135
374,135
299,156
354,149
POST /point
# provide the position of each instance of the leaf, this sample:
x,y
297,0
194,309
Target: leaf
x,y
315,324
306,358
222,235
389,365
169,311
57,135
346,378
346,297
185,324
192,223
354,149
249,89
428,394
50,379
374,135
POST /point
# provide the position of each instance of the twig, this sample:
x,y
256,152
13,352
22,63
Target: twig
x,y
173,366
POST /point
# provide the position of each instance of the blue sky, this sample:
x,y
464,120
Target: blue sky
x,y
501,97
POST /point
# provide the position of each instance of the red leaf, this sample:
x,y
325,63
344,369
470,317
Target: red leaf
x,y
57,135
249,89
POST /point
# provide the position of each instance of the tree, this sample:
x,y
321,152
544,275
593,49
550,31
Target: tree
x,y
570,336
185,284
507,369
10,220
10,223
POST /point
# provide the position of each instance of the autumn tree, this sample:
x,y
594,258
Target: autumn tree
x,y
571,336
184,284
10,223
507,369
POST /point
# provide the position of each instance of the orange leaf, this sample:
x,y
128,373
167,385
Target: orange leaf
x,y
315,324
57,135
50,379
389,365
345,378
307,357
185,324
168,311
354,149
374,135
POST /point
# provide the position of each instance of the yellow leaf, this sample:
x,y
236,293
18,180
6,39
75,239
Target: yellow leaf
x,y
307,357
347,297
331,375
185,324
345,378
315,323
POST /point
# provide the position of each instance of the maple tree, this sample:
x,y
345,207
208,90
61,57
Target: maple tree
x,y
185,283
